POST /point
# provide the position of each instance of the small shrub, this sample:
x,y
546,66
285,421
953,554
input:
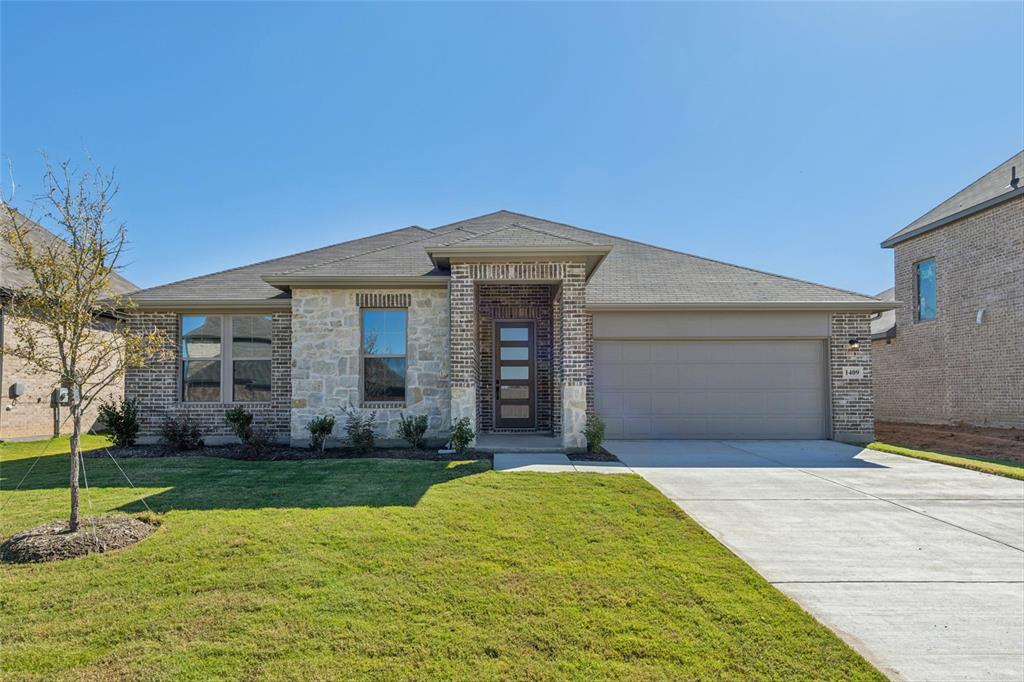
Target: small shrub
x,y
122,420
240,421
320,429
594,432
359,430
462,436
412,430
181,433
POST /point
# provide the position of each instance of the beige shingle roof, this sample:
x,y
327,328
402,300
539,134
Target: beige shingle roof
x,y
12,278
993,186
633,273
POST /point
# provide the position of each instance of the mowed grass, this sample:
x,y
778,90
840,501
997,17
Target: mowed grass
x,y
390,569
984,464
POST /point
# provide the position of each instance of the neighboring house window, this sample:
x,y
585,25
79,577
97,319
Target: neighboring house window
x,y
384,333
225,357
924,282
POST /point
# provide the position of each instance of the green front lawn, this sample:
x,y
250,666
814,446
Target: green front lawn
x,y
394,569
983,464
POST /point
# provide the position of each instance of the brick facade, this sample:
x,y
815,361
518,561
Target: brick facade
x,y
32,414
953,368
512,301
851,397
470,291
157,386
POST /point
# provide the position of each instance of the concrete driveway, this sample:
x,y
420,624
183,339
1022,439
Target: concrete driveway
x,y
919,566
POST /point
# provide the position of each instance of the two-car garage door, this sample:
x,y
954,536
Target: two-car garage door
x,y
695,388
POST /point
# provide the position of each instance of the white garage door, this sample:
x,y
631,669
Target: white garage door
x,y
711,389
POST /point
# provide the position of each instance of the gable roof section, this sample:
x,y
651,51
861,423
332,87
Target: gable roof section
x,y
632,274
12,278
245,285
989,190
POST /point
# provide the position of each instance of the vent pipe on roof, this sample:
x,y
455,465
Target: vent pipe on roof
x,y
1014,180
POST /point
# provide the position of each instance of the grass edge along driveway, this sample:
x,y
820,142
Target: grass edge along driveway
x,y
391,569
985,465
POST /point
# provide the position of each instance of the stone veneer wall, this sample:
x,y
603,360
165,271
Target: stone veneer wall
x,y
326,350
573,365
952,368
851,399
157,386
514,301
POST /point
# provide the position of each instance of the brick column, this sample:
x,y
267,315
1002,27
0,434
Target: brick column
x,y
576,356
463,372
853,417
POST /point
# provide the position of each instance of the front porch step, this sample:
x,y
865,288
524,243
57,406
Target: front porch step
x,y
518,442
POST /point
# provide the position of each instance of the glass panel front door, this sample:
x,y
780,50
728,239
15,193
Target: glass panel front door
x,y
514,371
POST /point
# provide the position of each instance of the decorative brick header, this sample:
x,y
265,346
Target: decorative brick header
x,y
383,299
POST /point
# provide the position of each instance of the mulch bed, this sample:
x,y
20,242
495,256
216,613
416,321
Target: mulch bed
x,y
52,541
280,452
599,455
962,439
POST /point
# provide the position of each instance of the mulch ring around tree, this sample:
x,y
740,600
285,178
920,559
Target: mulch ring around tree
x,y
52,541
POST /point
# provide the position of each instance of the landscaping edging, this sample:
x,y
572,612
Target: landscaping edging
x,y
279,452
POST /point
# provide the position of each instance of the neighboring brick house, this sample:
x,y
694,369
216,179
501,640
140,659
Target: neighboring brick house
x,y
30,407
521,325
954,351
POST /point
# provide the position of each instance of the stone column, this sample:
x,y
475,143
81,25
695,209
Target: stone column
x,y
576,356
463,372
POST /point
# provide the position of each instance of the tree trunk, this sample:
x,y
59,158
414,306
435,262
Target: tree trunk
x,y
76,430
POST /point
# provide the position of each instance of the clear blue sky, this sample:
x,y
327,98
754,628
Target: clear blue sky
x,y
789,137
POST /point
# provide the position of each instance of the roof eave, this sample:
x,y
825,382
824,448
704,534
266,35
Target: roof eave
x,y
593,255
822,306
952,218
207,305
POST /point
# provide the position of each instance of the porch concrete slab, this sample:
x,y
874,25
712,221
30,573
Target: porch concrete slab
x,y
553,462
601,467
918,565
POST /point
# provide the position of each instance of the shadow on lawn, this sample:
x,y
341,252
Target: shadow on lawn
x,y
203,483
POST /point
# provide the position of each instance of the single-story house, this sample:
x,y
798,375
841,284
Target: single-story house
x,y
520,324
953,351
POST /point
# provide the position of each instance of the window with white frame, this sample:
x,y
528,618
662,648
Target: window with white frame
x,y
384,360
225,358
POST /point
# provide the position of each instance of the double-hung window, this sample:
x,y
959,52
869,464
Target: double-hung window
x,y
924,284
225,358
383,355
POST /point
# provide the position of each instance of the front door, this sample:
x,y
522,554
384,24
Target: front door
x,y
514,376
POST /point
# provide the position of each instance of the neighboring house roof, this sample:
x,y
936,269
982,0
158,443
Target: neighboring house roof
x,y
12,278
993,188
883,324
632,274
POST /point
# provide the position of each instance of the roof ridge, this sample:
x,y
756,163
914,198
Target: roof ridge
x,y
383,248
271,260
710,260
550,234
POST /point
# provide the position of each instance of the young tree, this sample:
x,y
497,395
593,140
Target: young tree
x,y
69,322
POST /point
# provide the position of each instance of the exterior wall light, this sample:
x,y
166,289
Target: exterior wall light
x,y
854,344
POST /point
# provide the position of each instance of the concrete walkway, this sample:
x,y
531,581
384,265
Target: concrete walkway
x,y
553,462
919,566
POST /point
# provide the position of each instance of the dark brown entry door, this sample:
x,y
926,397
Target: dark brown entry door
x,y
514,376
